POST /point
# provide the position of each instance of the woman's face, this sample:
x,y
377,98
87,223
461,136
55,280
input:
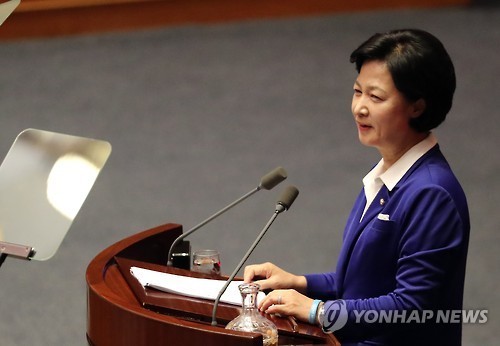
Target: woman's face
x,y
381,111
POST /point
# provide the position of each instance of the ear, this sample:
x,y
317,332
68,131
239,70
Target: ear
x,y
418,108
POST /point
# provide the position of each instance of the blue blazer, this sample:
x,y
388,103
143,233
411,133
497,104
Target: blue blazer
x,y
412,257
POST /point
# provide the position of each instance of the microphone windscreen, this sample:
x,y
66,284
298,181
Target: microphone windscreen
x,y
273,178
288,196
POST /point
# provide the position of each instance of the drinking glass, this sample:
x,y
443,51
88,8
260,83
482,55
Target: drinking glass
x,y
206,261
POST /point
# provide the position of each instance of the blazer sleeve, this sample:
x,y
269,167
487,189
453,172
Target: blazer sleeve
x,y
321,286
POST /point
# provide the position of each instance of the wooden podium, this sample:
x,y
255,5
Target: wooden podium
x,y
121,312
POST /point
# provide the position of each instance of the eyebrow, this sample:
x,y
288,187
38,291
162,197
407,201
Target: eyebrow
x,y
371,88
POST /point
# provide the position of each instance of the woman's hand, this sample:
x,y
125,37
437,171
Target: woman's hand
x,y
287,302
287,297
274,277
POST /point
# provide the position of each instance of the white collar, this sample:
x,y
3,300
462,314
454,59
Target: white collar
x,y
375,179
394,173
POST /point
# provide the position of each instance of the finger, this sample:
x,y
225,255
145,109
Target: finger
x,y
253,271
264,284
278,306
276,309
265,304
248,274
274,298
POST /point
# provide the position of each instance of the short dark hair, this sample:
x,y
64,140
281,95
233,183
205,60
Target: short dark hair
x,y
420,68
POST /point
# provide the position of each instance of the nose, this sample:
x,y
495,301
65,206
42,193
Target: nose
x,y
359,108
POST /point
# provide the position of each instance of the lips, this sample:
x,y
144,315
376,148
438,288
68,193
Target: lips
x,y
362,127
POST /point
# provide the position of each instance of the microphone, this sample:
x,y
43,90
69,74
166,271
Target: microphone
x,y
284,203
267,182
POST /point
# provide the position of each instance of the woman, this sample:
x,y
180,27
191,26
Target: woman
x,y
401,268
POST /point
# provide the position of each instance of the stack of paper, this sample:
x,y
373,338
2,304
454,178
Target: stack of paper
x,y
189,286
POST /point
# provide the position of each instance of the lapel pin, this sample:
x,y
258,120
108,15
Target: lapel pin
x,y
382,201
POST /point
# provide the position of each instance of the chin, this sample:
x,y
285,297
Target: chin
x,y
365,141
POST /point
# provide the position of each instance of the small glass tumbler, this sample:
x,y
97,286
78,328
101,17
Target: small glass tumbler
x,y
206,261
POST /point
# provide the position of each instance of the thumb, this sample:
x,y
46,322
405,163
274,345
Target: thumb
x,y
264,284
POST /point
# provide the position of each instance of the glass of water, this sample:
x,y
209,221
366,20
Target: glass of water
x,y
206,261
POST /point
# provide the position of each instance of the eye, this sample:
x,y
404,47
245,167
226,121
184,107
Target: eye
x,y
357,92
376,98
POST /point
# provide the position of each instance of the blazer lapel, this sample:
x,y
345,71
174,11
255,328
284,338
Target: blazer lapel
x,y
354,228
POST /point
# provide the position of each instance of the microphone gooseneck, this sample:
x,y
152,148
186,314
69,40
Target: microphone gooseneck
x,y
284,203
267,182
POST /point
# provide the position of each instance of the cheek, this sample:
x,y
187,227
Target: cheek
x,y
394,126
394,118
401,119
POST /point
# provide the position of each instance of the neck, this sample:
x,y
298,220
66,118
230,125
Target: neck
x,y
392,155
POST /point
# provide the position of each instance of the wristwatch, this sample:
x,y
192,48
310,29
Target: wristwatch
x,y
320,314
